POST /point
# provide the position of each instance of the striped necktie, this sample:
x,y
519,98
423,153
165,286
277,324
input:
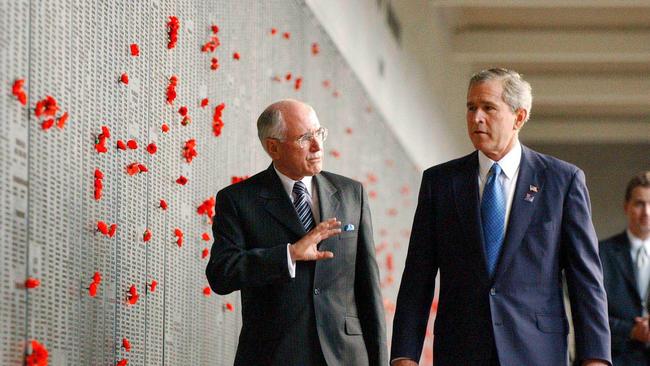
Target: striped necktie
x,y
302,206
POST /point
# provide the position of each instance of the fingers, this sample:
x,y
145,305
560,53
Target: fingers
x,y
325,229
324,255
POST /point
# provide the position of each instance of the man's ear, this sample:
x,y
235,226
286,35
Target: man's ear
x,y
272,146
520,119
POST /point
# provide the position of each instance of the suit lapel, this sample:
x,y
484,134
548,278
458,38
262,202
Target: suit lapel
x,y
532,173
465,186
329,202
278,204
625,264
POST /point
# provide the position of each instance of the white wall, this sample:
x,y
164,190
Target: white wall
x,y
422,98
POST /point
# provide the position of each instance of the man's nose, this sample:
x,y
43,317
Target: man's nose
x,y
315,144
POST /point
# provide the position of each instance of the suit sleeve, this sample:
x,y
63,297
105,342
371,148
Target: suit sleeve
x,y
584,274
232,266
370,303
418,281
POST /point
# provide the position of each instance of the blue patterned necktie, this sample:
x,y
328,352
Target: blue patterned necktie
x,y
493,212
302,206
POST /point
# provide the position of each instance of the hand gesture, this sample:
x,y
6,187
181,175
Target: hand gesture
x,y
306,249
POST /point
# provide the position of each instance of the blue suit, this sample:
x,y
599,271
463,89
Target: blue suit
x,y
517,316
625,301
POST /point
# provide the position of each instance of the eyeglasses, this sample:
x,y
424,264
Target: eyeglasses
x,y
304,140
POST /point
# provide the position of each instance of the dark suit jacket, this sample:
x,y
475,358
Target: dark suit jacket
x,y
624,301
333,305
520,310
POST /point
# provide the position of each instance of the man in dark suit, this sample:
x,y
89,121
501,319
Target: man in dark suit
x,y
501,224
626,266
310,291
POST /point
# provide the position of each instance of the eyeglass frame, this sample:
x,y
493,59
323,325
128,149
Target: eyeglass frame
x,y
305,139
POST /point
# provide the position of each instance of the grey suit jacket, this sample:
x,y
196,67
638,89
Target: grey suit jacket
x,y
334,306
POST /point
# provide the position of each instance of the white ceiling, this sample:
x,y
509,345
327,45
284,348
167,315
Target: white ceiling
x,y
588,61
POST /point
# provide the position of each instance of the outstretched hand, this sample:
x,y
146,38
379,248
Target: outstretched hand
x,y
306,249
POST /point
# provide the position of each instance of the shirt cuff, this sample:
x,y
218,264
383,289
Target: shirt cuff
x,y
291,264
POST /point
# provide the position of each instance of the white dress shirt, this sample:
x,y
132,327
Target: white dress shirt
x,y
312,195
509,171
642,274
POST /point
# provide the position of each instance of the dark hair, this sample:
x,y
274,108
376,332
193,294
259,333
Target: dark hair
x,y
640,180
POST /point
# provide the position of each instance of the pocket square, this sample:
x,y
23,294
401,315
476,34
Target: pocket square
x,y
348,227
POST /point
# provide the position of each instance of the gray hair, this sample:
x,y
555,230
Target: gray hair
x,y
517,92
270,124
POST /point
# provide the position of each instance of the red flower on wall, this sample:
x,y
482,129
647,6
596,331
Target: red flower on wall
x,y
182,180
152,148
171,89
274,31
18,91
172,31
135,50
214,63
205,236
235,179
122,362
132,296
182,111
132,144
112,230
164,128
230,307
102,227
39,355
286,35
315,49
214,28
126,344
179,237
207,291
207,208
100,142
124,79
163,204
217,122
32,282
97,277
204,102
60,123
92,289
205,253
47,124
153,285
236,56
189,151
298,83
288,76
121,145
147,235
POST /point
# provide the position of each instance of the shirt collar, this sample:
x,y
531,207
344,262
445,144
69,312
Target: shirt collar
x,y
287,183
636,243
509,163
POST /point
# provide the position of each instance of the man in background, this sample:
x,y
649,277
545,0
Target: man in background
x,y
502,224
297,242
626,266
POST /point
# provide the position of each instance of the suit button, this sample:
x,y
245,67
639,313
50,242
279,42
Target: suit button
x,y
316,291
493,291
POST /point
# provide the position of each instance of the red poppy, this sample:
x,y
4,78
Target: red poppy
x,y
39,355
389,262
207,291
92,289
98,184
132,296
146,236
298,83
126,344
47,124
204,102
207,208
186,120
152,148
152,286
31,282
286,35
164,128
214,65
163,204
132,144
135,50
288,76
230,307
124,78
172,31
62,120
143,168
182,111
215,29
121,145
217,122
335,153
315,49
273,31
171,89
122,362
181,180
205,236
236,56
112,230
188,150
204,253
102,227
133,169
234,179
97,277
18,92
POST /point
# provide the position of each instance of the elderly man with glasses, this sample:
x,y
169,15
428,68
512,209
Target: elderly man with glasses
x,y
298,243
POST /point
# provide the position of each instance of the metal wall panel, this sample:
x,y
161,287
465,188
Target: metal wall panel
x,y
76,51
